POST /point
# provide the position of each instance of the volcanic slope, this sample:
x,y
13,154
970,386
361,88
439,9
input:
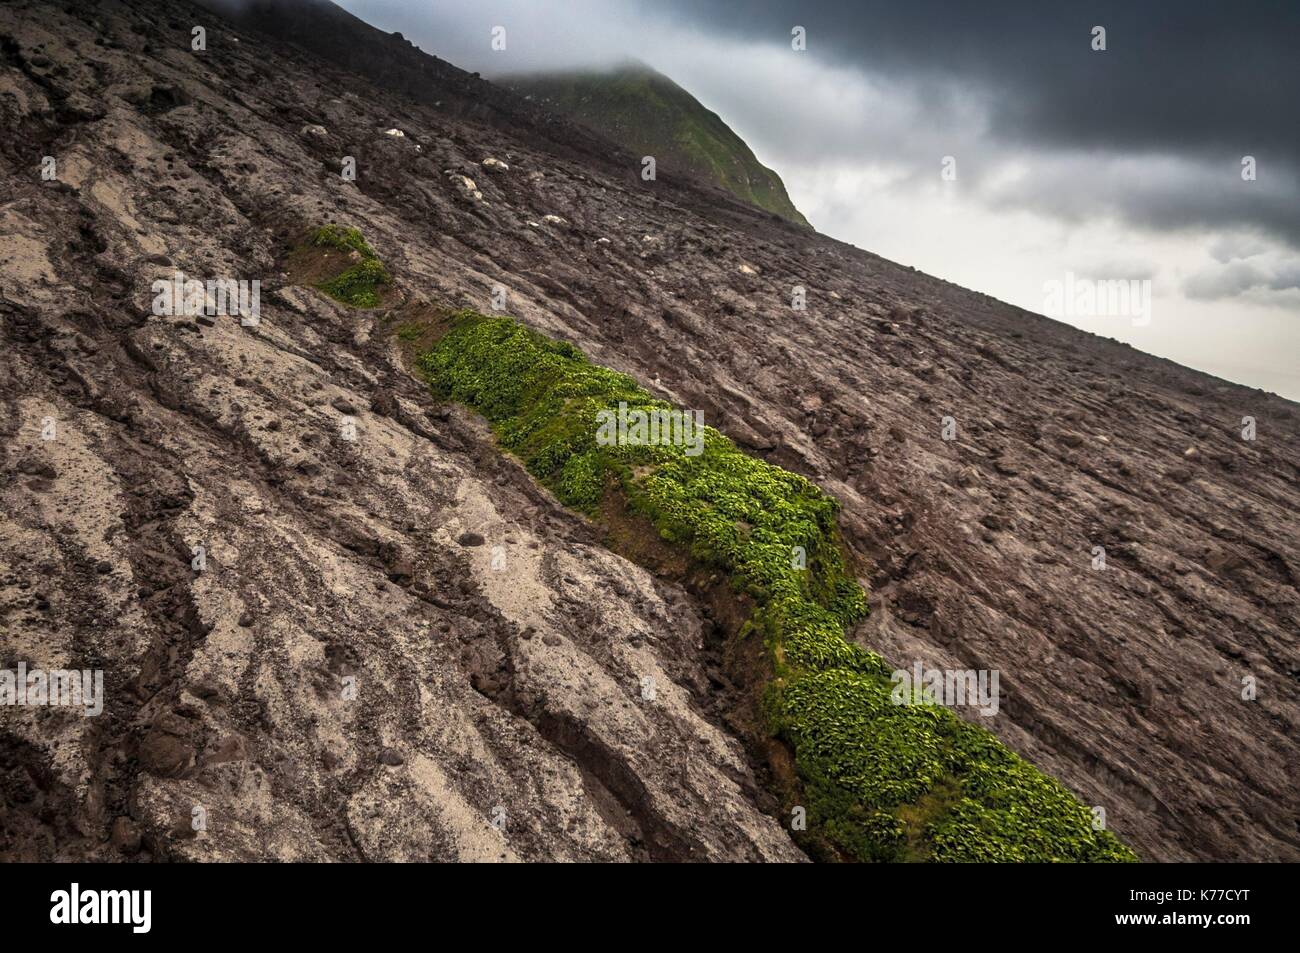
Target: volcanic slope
x,y
350,677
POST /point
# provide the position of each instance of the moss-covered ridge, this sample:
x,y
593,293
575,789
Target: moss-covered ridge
x,y
649,114
358,286
881,781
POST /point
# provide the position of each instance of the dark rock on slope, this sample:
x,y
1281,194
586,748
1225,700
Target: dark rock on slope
x,y
497,711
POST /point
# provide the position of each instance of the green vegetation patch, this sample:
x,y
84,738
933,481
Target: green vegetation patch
x,y
882,780
359,285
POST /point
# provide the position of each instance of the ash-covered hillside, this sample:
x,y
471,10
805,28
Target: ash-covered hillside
x,y
396,644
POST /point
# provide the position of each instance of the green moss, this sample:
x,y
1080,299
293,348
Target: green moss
x,y
358,286
854,744
882,781
342,237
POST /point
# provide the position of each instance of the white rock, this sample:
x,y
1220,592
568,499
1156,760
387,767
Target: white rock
x,y
748,269
395,133
554,220
496,165
314,130
466,185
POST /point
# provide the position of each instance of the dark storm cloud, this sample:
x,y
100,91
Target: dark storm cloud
x,y
1235,278
1206,83
1220,78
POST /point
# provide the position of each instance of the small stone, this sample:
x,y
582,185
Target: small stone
x,y
470,539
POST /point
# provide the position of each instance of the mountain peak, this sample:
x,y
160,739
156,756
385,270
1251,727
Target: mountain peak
x,y
649,113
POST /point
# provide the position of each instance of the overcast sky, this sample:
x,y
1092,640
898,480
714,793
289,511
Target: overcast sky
x,y
1123,163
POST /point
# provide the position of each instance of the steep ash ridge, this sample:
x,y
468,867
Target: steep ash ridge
x,y
521,688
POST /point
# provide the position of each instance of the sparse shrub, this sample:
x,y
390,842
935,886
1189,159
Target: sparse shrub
x,y
344,238
358,286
